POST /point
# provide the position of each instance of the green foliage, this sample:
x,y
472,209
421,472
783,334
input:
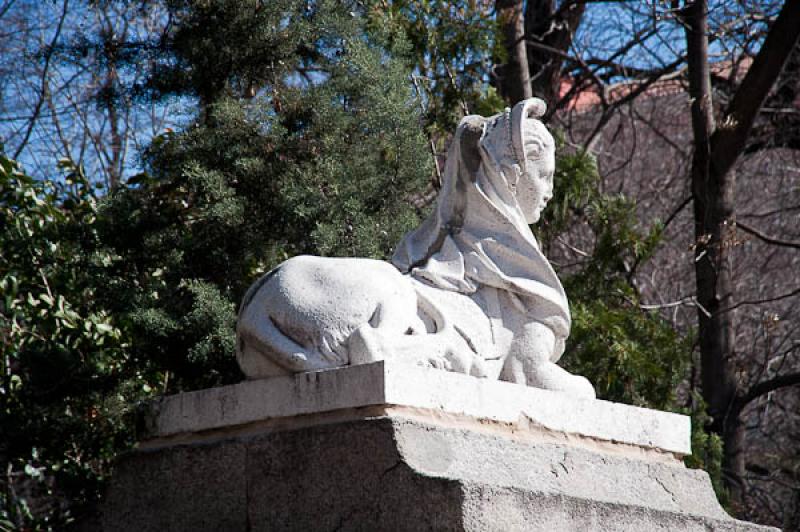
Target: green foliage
x,y
324,158
62,359
630,355
450,45
225,47
707,449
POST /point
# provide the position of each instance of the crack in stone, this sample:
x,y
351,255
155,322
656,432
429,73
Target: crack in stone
x,y
665,488
391,468
344,519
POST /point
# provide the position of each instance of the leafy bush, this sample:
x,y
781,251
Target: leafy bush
x,y
66,386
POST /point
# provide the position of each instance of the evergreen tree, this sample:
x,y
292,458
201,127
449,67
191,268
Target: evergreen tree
x,y
307,142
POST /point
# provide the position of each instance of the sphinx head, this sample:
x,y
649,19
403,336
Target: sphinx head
x,y
520,149
535,186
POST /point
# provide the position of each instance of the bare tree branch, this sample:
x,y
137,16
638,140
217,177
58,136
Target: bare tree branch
x,y
730,139
640,88
769,240
690,301
762,301
764,387
44,84
677,211
5,7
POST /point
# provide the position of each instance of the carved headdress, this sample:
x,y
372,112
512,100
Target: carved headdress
x,y
477,235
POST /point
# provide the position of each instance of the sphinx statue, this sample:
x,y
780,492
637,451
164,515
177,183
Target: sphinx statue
x,y
469,290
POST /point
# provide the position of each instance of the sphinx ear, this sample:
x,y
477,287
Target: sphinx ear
x,y
534,149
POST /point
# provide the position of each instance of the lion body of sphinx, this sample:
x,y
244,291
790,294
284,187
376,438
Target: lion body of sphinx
x,y
313,313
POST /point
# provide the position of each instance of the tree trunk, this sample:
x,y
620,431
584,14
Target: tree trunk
x,y
714,218
514,81
110,98
714,195
549,32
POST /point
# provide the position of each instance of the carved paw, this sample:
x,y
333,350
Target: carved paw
x,y
581,387
465,361
364,346
552,377
436,362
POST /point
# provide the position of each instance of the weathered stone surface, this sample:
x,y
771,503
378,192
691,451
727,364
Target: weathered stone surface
x,y
387,446
398,474
197,487
392,383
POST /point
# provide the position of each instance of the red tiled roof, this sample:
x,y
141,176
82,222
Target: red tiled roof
x,y
586,99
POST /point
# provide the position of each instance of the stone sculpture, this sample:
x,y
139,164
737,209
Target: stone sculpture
x,y
468,291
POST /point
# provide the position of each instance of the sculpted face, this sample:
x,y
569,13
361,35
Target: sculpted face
x,y
535,187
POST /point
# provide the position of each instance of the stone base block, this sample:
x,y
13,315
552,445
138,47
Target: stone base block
x,y
402,467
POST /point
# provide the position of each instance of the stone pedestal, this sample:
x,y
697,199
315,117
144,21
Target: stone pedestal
x,y
392,447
